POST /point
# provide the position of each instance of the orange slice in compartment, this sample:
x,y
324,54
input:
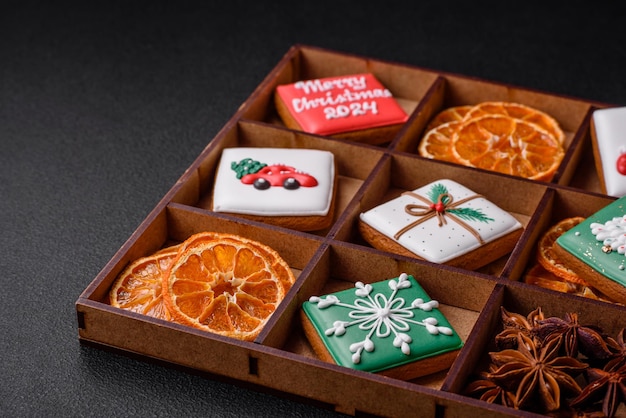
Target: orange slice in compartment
x,y
506,145
539,276
226,284
437,143
138,288
451,114
518,111
546,256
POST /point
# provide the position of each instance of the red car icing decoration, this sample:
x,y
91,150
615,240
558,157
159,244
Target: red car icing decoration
x,y
263,176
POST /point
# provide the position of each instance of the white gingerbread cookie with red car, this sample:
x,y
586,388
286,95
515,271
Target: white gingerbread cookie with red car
x,y
288,187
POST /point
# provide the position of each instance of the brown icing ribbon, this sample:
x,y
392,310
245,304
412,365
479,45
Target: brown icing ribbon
x,y
439,210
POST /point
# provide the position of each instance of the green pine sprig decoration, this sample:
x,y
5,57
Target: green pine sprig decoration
x,y
437,190
246,166
469,214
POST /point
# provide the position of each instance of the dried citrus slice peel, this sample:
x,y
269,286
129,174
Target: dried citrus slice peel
x,y
450,114
506,145
437,143
225,284
539,276
138,288
518,111
505,137
546,256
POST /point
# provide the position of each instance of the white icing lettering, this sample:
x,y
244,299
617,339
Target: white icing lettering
x,y
314,86
301,104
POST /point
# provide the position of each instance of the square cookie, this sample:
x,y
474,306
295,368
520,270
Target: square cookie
x,y
443,222
391,327
608,135
595,250
293,187
356,103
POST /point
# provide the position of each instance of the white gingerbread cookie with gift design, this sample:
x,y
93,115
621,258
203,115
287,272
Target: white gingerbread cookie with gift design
x,y
443,222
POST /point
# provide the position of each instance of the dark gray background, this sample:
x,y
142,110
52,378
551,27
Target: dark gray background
x,y
104,104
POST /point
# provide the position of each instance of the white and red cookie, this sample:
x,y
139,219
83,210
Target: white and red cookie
x,y
443,222
355,105
609,145
293,188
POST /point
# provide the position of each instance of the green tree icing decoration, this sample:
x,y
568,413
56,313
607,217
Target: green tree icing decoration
x,y
246,166
439,189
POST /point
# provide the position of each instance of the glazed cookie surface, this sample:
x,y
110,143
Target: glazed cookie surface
x,y
378,326
440,221
332,105
599,242
274,182
609,140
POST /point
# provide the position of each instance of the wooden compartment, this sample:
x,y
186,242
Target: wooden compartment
x,y
170,225
557,205
400,172
523,299
354,163
572,115
461,296
408,85
280,358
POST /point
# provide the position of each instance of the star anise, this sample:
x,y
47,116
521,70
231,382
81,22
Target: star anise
x,y
618,348
539,374
489,391
587,339
608,386
515,324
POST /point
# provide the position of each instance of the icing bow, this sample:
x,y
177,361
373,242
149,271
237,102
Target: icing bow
x,y
440,209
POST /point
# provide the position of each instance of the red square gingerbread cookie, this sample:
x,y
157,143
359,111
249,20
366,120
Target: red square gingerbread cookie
x,y
357,104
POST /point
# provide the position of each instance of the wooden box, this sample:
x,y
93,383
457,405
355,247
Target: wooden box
x,y
280,359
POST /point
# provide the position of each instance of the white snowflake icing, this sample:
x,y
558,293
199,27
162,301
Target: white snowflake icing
x,y
382,316
612,233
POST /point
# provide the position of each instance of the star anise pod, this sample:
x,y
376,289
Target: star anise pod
x,y
489,391
515,324
539,374
618,348
587,339
608,386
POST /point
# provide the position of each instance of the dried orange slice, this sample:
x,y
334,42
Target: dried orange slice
x,y
226,284
546,256
541,277
138,288
518,111
451,114
506,145
437,143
